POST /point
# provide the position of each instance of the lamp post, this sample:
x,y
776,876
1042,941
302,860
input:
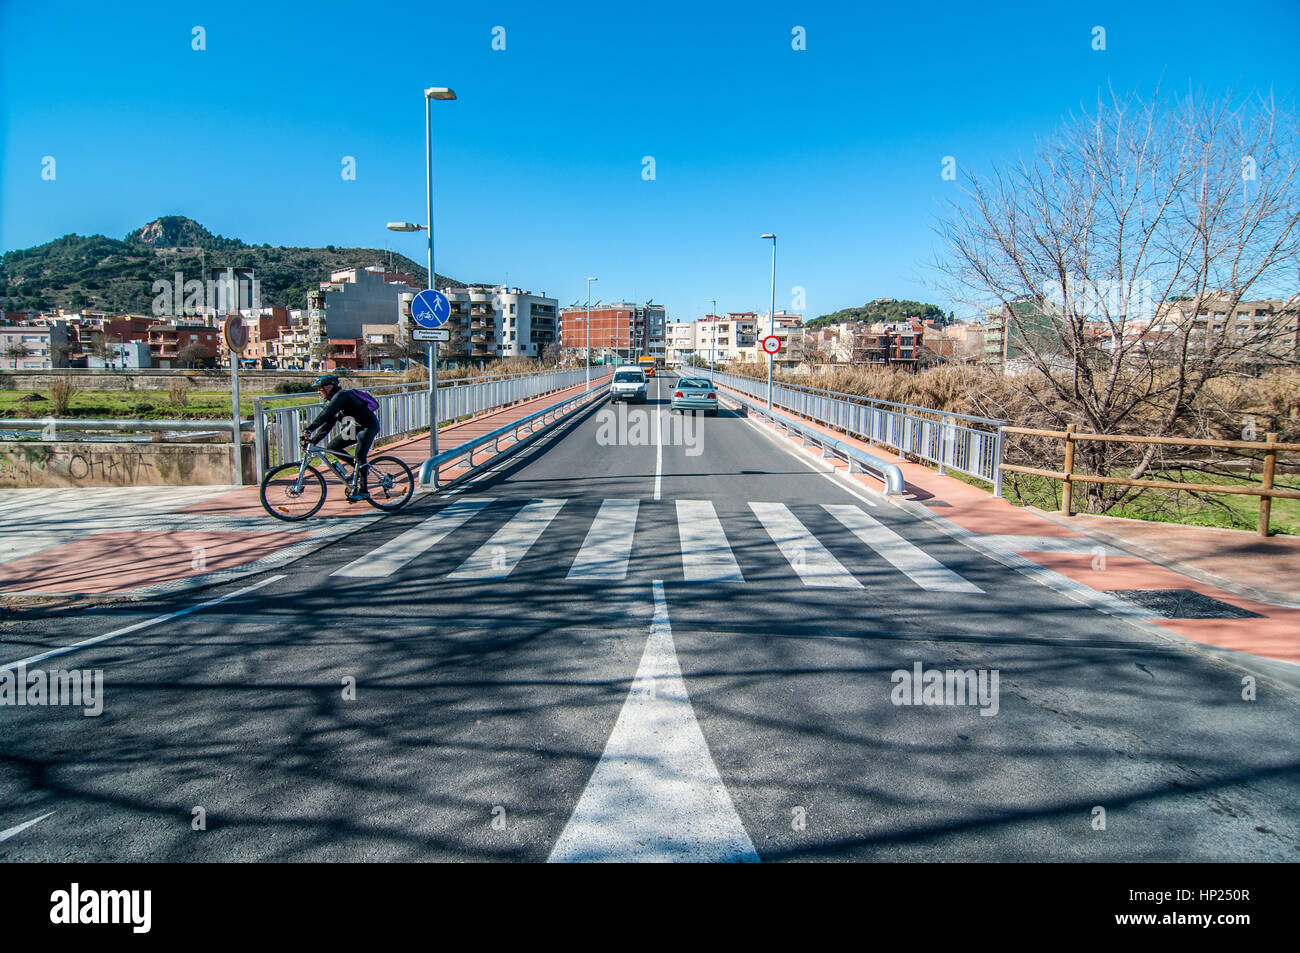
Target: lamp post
x,y
430,94
713,342
771,320
587,327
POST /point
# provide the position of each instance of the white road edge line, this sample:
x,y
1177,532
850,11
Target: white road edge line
x,y
659,442
832,474
656,794
5,835
86,643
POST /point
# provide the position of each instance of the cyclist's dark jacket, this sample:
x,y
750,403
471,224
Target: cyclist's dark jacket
x,y
344,403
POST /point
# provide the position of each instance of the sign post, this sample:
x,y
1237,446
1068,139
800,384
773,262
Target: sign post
x,y
234,334
430,310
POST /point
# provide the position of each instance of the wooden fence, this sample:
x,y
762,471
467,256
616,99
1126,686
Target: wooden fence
x,y
1266,491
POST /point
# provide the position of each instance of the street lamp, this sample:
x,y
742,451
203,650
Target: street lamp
x,y
587,325
713,342
771,320
430,94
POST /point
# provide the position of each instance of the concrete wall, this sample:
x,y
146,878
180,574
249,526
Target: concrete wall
x,y
27,464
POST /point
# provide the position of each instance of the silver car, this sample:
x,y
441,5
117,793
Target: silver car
x,y
695,393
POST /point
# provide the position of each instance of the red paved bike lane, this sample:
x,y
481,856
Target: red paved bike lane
x,y
226,535
1234,567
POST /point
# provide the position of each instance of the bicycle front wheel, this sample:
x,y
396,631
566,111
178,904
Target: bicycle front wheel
x,y
390,482
286,497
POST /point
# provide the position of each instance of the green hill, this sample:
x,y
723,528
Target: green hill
x,y
883,309
106,274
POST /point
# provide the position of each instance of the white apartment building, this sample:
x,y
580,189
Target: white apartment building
x,y
33,347
498,322
679,342
713,338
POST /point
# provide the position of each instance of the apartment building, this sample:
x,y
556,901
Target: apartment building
x,y
620,331
381,347
734,337
1263,332
354,297
680,343
183,345
122,355
34,346
490,322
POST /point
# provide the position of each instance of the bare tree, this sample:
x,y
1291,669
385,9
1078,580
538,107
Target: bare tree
x,y
193,354
1111,250
17,351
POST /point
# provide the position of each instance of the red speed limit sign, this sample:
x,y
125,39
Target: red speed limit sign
x,y
771,344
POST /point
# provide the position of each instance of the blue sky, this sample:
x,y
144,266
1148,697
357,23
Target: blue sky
x,y
538,165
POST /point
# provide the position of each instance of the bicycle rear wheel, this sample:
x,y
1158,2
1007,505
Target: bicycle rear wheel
x,y
285,499
390,482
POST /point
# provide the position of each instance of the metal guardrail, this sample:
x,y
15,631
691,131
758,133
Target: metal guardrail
x,y
403,408
961,442
430,468
889,473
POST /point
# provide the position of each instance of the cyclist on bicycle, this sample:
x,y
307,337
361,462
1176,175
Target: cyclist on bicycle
x,y
340,403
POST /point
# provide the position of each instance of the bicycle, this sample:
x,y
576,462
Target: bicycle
x,y
295,491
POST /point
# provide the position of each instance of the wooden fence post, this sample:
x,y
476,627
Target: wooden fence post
x,y
1067,501
1266,502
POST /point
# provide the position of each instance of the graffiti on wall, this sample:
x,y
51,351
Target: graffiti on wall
x,y
34,466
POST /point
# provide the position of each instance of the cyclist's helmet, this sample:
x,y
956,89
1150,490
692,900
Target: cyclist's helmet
x,y
325,380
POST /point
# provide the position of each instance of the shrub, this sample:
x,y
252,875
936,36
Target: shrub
x,y
62,391
293,387
178,393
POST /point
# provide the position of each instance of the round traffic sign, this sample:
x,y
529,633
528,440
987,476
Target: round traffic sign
x,y
771,344
430,309
235,331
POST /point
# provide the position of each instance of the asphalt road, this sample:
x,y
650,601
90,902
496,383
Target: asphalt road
x,y
642,638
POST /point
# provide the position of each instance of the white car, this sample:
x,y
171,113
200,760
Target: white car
x,y
629,384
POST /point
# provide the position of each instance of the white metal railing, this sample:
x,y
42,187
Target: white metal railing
x,y
404,408
961,442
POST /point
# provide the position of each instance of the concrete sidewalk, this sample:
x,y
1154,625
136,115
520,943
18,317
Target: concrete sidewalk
x,y
138,542
1229,589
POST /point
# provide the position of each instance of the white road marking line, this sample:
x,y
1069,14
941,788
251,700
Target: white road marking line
x,y
85,643
605,551
656,794
401,549
706,554
659,442
498,557
919,566
808,557
5,835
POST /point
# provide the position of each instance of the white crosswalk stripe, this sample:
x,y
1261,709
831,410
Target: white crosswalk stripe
x,y
706,549
401,549
498,557
605,551
706,554
919,566
808,557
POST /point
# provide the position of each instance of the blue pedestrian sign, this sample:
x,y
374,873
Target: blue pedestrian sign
x,y
430,309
